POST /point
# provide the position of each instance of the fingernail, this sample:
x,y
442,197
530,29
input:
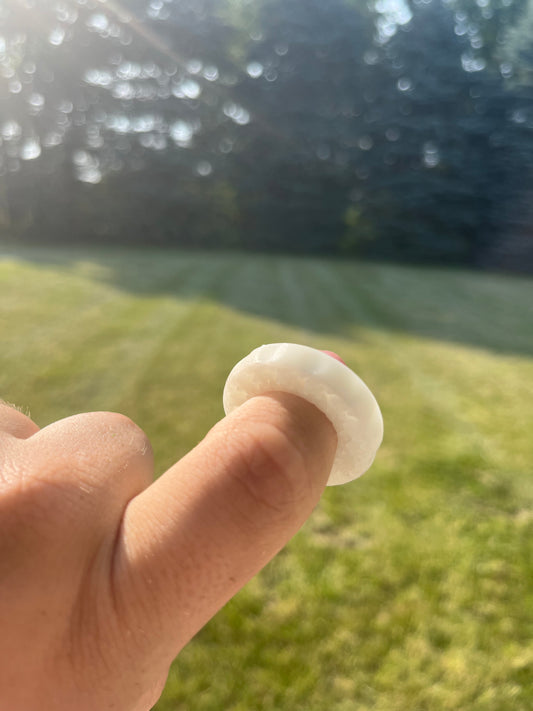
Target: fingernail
x,y
334,355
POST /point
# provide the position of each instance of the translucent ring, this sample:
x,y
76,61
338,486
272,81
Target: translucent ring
x,y
325,382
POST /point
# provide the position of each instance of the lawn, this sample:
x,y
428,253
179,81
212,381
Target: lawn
x,y
410,589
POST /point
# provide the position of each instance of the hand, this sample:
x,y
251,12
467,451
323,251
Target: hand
x,y
105,575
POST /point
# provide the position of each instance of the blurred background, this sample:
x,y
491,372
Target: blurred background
x,y
394,129
183,180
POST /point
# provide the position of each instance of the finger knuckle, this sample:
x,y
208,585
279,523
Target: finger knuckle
x,y
122,426
128,446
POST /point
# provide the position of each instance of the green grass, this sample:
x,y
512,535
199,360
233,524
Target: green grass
x,y
408,590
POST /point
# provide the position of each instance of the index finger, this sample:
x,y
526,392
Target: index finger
x,y
15,423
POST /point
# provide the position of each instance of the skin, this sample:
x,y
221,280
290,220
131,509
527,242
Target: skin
x,y
105,574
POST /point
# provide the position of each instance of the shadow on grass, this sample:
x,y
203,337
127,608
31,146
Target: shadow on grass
x,y
329,296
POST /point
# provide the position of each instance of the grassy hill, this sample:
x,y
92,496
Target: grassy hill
x,y
410,589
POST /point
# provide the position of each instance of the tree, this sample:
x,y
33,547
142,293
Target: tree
x,y
438,166
90,91
306,91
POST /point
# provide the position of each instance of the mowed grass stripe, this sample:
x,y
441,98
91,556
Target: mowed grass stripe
x,y
41,307
302,304
103,348
179,395
454,305
173,315
482,398
427,367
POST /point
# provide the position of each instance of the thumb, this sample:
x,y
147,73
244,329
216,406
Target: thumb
x,y
191,540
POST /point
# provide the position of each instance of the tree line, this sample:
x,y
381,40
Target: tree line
x,y
387,130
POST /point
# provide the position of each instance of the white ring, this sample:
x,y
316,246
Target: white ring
x,y
325,382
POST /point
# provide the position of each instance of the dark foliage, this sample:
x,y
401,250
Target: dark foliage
x,y
281,125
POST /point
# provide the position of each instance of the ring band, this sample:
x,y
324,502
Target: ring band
x,y
326,383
